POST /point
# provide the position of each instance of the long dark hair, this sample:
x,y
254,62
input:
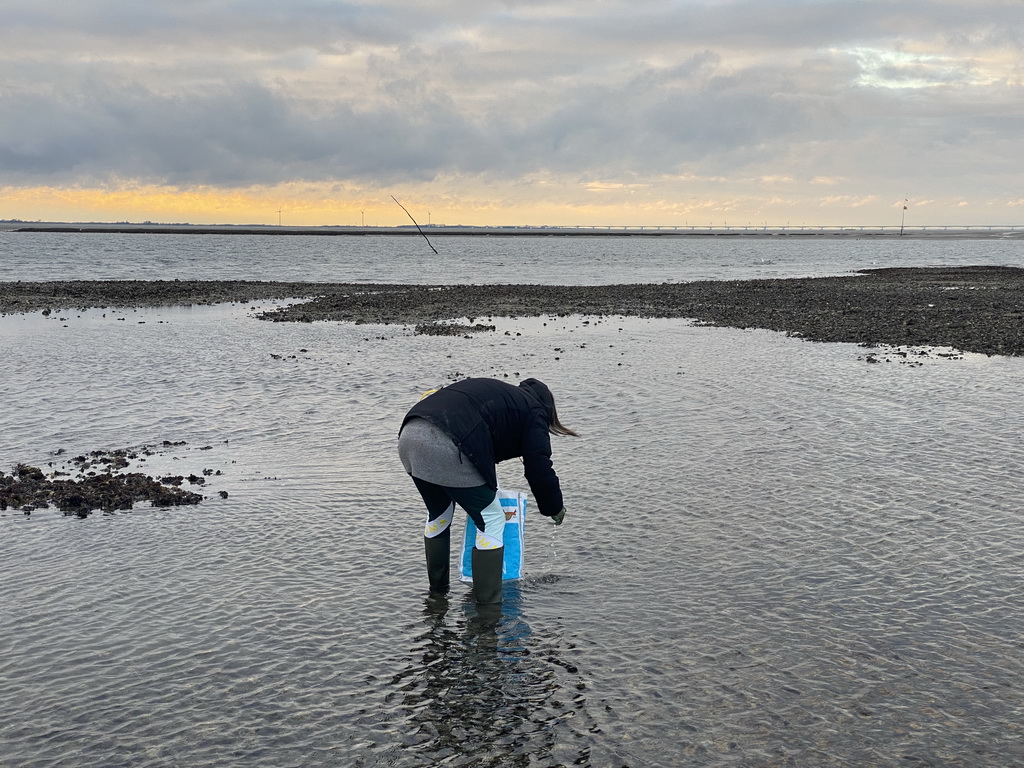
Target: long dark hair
x,y
542,393
555,427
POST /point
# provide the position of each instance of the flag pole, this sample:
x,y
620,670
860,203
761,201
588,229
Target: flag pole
x,y
904,217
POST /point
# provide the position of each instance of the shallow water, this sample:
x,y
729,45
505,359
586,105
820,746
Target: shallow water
x,y
468,259
775,553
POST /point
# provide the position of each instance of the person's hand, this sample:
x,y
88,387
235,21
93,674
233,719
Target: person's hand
x,y
557,519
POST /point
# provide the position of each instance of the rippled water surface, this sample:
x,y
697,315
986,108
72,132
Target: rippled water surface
x,y
462,259
775,553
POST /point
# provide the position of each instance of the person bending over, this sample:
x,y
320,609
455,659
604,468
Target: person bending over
x,y
449,443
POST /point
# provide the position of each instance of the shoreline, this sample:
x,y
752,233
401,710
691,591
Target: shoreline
x,y
875,232
972,309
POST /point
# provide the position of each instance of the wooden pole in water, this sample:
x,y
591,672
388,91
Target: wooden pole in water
x,y
414,222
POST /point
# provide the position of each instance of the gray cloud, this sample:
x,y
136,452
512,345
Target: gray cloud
x,y
241,93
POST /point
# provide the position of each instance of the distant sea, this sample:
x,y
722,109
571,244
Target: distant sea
x,y
476,259
776,552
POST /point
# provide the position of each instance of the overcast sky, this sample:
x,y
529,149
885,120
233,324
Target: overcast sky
x,y
557,112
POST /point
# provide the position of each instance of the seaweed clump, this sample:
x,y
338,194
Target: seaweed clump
x,y
27,488
451,329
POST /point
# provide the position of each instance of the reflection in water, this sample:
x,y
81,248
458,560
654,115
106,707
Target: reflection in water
x,y
483,689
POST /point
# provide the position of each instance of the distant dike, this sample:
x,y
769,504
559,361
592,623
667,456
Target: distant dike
x,y
439,230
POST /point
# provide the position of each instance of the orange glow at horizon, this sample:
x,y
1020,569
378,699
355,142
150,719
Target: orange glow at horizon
x,y
598,205
203,205
315,205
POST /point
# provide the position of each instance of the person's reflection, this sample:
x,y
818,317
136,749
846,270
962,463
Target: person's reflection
x,y
477,691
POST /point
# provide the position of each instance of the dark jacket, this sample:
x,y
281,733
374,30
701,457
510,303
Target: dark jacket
x,y
491,421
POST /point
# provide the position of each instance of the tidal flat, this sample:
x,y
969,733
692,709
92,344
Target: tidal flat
x,y
969,308
774,552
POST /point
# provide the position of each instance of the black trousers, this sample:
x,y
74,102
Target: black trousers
x,y
439,497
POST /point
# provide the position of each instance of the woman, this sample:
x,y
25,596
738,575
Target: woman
x,y
449,443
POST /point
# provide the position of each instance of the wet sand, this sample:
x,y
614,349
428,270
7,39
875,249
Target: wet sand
x,y
972,309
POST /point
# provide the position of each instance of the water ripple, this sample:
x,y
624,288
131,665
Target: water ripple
x,y
774,554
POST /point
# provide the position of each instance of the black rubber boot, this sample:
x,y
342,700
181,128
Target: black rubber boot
x,y
487,565
438,551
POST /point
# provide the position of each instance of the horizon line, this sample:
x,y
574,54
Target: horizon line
x,y
23,224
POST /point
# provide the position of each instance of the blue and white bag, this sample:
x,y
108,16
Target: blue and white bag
x,y
514,505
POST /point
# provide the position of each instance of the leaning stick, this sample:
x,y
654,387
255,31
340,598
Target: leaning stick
x,y
414,222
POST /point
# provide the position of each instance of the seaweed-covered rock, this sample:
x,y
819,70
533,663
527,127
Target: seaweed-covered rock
x,y
28,488
451,329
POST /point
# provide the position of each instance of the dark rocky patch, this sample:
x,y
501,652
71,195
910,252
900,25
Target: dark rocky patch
x,y
27,488
973,309
451,329
82,294
79,485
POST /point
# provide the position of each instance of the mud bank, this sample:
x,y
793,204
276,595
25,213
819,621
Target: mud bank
x,y
973,309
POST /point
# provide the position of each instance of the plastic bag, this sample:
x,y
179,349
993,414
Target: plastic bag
x,y
514,505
